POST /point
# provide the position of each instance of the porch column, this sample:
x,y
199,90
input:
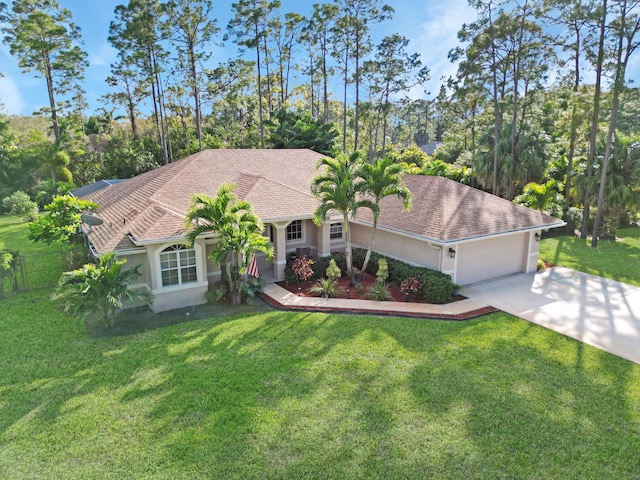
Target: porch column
x,y
324,239
280,247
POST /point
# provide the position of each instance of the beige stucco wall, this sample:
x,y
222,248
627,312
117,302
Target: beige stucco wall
x,y
170,299
142,260
212,270
474,261
177,296
407,249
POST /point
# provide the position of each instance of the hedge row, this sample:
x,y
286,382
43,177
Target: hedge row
x,y
437,287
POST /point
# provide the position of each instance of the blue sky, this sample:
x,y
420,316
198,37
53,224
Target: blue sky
x,y
431,25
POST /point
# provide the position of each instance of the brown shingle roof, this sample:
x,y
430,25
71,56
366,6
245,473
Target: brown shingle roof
x,y
153,205
447,211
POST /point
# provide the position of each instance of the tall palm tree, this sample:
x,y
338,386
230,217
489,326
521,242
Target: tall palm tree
x,y
239,230
382,179
103,288
339,189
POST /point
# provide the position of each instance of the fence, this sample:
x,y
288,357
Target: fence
x,y
41,270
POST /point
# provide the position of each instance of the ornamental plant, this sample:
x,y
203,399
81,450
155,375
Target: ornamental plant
x,y
410,286
333,271
302,268
383,272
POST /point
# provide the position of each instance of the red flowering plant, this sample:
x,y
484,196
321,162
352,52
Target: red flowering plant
x,y
302,268
410,286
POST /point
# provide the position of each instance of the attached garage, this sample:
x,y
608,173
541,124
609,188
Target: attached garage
x,y
491,258
462,231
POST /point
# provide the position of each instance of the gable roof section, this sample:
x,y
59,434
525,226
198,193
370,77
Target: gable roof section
x,y
445,211
152,206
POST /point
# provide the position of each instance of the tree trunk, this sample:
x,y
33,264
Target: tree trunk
x,y
52,100
260,115
594,120
574,129
325,99
367,257
347,249
196,95
344,107
357,105
617,86
496,112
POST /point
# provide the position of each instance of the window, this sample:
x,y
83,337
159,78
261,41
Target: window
x,y
335,230
294,230
178,265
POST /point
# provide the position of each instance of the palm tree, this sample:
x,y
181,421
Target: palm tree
x,y
239,230
543,197
382,179
340,190
103,287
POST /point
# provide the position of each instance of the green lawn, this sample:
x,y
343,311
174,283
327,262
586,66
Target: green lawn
x,y
43,263
617,260
266,394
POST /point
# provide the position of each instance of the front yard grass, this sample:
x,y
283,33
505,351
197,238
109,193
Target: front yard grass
x,y
615,259
300,395
267,394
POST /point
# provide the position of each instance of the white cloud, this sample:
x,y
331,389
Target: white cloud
x,y
438,35
105,55
10,96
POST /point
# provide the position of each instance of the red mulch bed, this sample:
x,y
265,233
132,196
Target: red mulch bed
x,y
302,289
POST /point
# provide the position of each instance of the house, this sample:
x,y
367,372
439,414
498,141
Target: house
x,y
464,232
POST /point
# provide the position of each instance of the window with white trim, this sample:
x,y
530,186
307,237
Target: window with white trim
x,y
178,265
335,231
294,230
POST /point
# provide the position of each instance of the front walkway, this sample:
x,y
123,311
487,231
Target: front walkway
x,y
460,310
600,312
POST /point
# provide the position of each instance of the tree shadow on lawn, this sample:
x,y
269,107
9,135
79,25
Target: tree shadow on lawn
x,y
298,395
302,395
533,404
141,319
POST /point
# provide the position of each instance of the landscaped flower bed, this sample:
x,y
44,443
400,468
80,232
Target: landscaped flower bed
x,y
432,286
397,295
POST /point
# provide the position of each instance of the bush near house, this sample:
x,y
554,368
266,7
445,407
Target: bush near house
x,y
436,287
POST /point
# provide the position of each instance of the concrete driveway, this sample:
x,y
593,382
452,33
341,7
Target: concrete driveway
x,y
600,312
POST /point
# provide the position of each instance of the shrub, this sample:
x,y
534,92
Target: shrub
x,y
326,288
320,266
379,291
410,286
20,204
383,272
251,287
9,265
302,268
437,287
333,272
216,295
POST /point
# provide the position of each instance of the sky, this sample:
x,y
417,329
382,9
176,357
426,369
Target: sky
x,y
431,26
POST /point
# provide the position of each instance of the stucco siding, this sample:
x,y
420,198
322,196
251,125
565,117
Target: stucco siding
x,y
491,258
182,296
410,250
138,259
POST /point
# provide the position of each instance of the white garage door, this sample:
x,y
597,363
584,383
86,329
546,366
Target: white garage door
x,y
490,258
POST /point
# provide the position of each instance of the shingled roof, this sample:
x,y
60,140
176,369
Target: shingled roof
x,y
153,205
445,211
